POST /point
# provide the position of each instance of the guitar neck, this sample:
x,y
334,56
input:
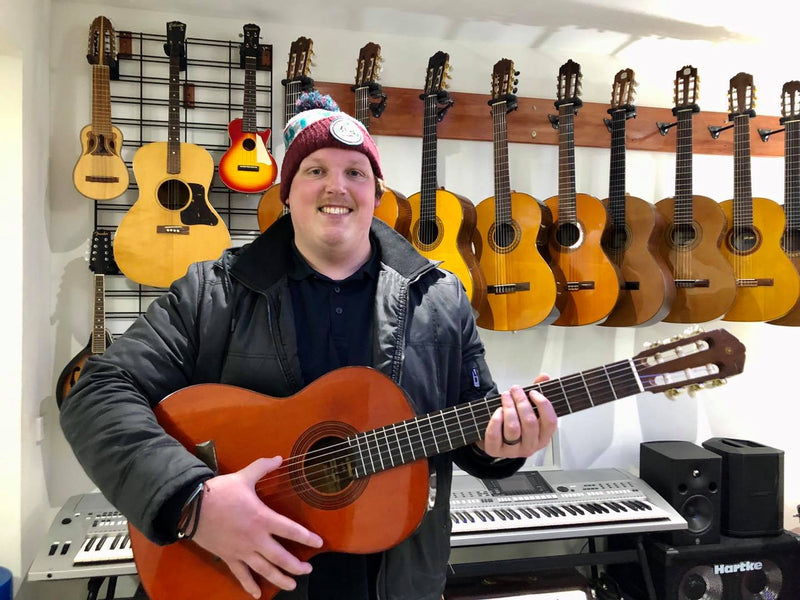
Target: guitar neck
x,y
502,186
445,430
683,213
616,182
792,175
742,190
174,127
291,93
249,124
428,184
362,106
99,315
567,212
101,101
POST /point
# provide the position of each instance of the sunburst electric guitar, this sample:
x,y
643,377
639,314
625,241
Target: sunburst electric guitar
x,y
512,227
443,223
767,285
393,209
346,468
247,166
704,281
647,288
100,173
171,224
790,118
297,81
591,281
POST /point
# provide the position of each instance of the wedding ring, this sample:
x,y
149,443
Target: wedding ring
x,y
511,442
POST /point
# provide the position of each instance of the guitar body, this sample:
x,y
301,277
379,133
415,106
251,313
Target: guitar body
x,y
647,289
509,255
790,246
395,211
247,166
591,285
449,239
349,514
70,373
100,172
756,254
696,254
270,207
171,224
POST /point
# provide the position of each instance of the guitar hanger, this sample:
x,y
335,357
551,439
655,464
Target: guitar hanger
x,y
630,113
715,131
765,133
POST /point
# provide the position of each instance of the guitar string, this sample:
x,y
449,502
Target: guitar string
x,y
564,383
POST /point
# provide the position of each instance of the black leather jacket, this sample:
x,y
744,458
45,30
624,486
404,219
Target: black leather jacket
x,y
231,321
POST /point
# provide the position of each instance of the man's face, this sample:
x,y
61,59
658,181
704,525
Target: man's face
x,y
332,200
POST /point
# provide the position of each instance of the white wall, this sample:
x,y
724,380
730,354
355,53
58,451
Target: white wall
x,y
757,405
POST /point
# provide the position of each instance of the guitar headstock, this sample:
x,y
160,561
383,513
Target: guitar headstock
x,y
369,65
569,84
299,65
790,102
101,254
687,90
436,74
250,47
741,95
102,43
176,42
504,84
623,90
690,361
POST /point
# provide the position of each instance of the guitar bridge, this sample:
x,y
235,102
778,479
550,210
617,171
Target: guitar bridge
x,y
691,283
509,288
101,179
575,286
250,168
765,282
174,229
630,285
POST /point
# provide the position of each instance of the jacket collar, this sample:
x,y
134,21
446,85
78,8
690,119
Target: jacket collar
x,y
264,261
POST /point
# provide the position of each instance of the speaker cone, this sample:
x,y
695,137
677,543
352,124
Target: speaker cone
x,y
699,513
762,585
700,583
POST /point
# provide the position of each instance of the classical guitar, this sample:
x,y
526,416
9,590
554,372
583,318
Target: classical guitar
x,y
647,288
247,166
346,468
443,223
394,208
591,281
101,262
171,224
790,118
100,173
704,281
297,81
520,285
767,284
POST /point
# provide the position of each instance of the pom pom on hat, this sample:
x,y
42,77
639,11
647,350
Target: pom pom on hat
x,y
320,124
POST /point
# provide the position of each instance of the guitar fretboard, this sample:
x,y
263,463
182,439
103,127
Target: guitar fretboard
x,y
502,186
616,182
99,315
362,106
792,175
249,124
567,212
428,184
174,122
101,101
683,214
742,189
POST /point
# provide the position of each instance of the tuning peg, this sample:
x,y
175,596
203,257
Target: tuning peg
x,y
694,388
716,382
672,394
676,338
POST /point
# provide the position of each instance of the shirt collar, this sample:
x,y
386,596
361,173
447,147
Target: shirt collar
x,y
299,268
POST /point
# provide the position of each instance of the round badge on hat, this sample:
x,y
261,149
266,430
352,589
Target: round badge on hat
x,y
347,132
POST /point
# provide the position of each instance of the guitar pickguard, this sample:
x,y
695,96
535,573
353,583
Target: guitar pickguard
x,y
198,212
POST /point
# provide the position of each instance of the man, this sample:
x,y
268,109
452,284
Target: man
x,y
327,287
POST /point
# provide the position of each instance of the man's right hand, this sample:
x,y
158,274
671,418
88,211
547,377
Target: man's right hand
x,y
239,528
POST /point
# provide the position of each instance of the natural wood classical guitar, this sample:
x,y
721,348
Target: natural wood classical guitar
x,y
101,262
100,173
297,81
631,242
512,227
704,281
394,208
767,283
354,468
171,224
247,166
790,118
592,282
443,223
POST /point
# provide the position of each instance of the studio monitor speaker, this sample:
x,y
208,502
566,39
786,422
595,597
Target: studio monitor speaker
x,y
688,477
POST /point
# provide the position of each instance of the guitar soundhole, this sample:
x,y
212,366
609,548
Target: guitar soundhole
x,y
568,234
427,233
329,471
743,239
249,144
683,234
504,236
617,239
791,242
173,194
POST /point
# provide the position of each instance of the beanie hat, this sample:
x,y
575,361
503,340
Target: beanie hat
x,y
316,128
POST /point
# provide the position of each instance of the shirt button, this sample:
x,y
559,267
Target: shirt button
x,y
337,289
339,310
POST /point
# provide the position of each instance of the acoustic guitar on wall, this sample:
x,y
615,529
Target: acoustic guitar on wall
x,y
171,224
591,281
100,173
297,81
443,223
512,227
101,263
647,288
247,166
704,283
767,284
346,468
393,209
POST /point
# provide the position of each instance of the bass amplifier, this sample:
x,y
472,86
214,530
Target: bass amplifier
x,y
765,568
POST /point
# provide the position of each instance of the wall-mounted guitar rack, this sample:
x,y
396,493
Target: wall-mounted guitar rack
x,y
212,95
